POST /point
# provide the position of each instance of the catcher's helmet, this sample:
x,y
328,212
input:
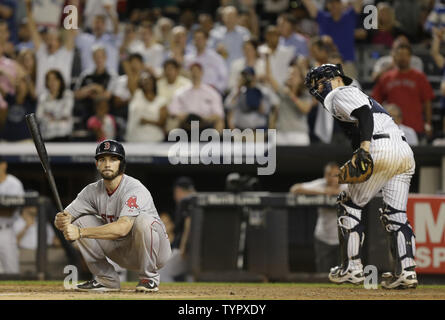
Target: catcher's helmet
x,y
324,72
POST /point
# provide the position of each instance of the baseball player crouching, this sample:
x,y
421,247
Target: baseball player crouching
x,y
115,217
382,161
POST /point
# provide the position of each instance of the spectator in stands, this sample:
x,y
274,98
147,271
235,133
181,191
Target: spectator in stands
x,y
229,38
24,37
25,228
178,45
200,102
50,54
54,108
187,19
120,88
93,83
326,242
396,114
177,268
9,186
409,89
8,46
22,102
438,37
147,112
386,63
172,81
436,18
295,104
10,75
205,22
252,59
249,19
408,14
340,23
7,13
105,8
307,26
278,56
27,61
250,104
388,29
319,51
286,24
100,37
162,32
213,65
102,124
148,48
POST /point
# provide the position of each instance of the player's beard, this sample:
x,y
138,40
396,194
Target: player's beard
x,y
108,175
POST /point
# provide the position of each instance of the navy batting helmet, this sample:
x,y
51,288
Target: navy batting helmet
x,y
324,72
112,147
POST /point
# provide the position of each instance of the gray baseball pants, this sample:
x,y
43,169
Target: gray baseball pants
x,y
145,249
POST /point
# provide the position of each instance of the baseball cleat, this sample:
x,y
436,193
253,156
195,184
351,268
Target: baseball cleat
x,y
406,280
94,286
147,285
339,276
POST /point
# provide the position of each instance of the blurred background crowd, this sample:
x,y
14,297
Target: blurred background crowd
x,y
135,70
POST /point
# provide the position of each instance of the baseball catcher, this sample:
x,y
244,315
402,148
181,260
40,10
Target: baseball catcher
x,y
382,161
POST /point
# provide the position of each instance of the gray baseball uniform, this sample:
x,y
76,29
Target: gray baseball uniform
x,y
9,253
145,249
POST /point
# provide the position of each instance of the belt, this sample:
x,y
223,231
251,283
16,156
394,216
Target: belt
x,y
384,136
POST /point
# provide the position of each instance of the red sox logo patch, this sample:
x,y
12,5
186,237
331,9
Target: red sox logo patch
x,y
131,203
107,145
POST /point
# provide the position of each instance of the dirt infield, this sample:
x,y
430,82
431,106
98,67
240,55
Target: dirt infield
x,y
33,290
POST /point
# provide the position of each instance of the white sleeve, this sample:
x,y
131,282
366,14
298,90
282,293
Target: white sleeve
x,y
347,99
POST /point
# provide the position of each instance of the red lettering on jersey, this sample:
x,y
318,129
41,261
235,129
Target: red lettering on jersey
x,y
107,217
131,203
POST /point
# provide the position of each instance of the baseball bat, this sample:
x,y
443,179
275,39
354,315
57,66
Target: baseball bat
x,y
43,155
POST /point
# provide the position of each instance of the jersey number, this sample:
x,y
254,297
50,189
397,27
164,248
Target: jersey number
x,y
107,218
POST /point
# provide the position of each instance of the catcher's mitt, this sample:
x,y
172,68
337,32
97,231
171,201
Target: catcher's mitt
x,y
358,169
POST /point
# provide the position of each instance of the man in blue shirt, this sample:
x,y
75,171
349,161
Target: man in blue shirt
x,y
7,11
231,36
340,23
289,38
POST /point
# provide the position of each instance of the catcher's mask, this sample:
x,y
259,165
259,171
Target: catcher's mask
x,y
323,74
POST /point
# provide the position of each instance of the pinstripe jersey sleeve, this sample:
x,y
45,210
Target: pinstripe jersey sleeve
x,y
346,100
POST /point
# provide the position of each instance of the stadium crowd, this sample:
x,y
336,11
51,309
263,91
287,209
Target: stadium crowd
x,y
134,70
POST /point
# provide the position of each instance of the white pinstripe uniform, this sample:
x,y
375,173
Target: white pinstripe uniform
x,y
394,166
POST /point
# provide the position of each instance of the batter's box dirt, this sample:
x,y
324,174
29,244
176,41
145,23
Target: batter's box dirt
x,y
54,290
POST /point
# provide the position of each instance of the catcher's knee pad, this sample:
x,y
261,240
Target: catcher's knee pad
x,y
402,238
350,229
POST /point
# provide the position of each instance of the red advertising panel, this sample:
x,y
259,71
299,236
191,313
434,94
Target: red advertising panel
x,y
426,215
